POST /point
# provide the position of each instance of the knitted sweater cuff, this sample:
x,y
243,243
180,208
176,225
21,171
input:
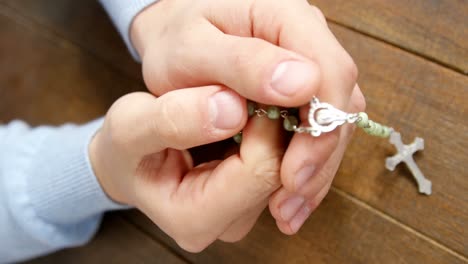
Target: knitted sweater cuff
x,y
122,13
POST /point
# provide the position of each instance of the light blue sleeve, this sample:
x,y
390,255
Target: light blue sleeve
x,y
49,196
122,13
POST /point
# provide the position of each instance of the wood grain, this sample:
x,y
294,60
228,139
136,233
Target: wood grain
x,y
340,231
434,29
44,80
116,242
56,68
47,80
83,23
417,98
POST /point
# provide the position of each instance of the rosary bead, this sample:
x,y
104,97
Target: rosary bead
x,y
238,138
386,132
251,108
290,122
372,128
273,112
363,120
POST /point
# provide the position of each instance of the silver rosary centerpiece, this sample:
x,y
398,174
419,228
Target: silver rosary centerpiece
x,y
324,118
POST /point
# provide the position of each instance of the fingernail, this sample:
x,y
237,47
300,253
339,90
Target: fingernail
x,y
290,207
225,110
291,76
303,175
300,218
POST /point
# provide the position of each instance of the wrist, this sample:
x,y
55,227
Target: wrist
x,y
97,159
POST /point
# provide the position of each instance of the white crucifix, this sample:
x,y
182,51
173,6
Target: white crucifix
x,y
405,154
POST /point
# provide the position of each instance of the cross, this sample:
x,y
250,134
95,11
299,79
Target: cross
x,y
405,154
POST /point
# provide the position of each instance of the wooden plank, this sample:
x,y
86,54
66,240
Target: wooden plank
x,y
47,80
340,231
418,98
395,82
117,242
435,29
85,24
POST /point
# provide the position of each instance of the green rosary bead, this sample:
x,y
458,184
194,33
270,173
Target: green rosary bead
x,y
290,122
363,120
251,108
372,128
273,112
238,138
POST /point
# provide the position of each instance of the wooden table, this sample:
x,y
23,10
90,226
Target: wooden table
x,y
63,61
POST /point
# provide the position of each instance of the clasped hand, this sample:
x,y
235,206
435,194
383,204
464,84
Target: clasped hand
x,y
272,52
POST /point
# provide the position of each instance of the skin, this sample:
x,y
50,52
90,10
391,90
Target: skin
x,y
273,52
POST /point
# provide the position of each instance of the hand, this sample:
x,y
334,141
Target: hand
x,y
272,52
139,158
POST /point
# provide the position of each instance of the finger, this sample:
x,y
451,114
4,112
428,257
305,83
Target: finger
x,y
254,172
290,210
171,193
255,68
306,155
299,27
157,177
285,205
228,192
242,226
262,71
143,124
243,181
295,222
260,152
325,175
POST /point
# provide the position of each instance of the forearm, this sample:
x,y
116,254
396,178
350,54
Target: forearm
x,y
49,196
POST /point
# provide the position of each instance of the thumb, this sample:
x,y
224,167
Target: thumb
x,y
253,67
209,199
244,181
143,124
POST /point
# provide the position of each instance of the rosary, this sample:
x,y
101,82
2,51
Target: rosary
x,y
324,117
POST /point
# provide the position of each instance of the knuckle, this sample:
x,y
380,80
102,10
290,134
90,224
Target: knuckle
x,y
196,234
157,66
314,203
243,56
359,102
268,171
165,127
119,137
350,69
273,206
150,74
319,14
325,175
191,246
194,243
237,236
